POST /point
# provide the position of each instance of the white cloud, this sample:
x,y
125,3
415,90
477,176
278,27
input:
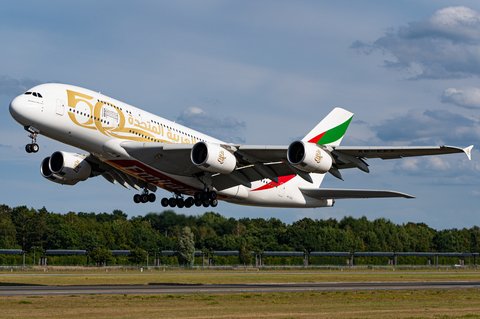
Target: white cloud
x,y
194,116
429,128
444,45
13,86
475,193
224,129
468,97
440,170
457,23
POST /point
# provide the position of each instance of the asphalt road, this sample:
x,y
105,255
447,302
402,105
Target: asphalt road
x,y
188,288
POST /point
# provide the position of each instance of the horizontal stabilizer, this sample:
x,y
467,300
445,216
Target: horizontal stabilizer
x,y
326,193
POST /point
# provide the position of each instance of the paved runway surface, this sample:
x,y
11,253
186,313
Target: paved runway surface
x,y
180,288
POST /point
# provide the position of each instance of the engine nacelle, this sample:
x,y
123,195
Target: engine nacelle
x,y
66,168
308,157
213,158
47,173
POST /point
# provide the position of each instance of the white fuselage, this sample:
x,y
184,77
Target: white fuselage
x,y
98,124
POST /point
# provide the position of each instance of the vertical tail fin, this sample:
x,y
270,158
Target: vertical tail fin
x,y
331,129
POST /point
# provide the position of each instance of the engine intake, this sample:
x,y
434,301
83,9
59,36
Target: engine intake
x,y
309,157
213,158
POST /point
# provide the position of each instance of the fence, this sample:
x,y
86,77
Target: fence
x,y
208,257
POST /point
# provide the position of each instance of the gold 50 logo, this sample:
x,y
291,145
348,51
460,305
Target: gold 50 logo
x,y
92,119
91,113
318,156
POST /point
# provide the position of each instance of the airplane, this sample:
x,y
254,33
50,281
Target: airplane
x,y
135,148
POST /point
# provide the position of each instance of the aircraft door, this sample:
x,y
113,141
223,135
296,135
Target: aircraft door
x,y
60,109
281,190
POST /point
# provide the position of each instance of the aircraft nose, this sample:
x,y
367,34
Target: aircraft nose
x,y
16,108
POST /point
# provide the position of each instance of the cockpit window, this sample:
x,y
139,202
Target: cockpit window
x,y
34,94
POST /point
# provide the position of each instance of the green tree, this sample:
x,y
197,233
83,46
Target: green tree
x,y
101,256
244,253
137,256
22,218
8,232
186,247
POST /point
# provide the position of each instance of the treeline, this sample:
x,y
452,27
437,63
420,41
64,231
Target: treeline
x,y
25,228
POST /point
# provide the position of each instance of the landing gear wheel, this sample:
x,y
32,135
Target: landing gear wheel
x,y
144,198
172,202
137,199
198,202
28,148
164,202
212,195
151,197
180,204
214,203
34,147
189,202
206,202
198,196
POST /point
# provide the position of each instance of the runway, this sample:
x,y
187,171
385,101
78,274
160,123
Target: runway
x,y
188,288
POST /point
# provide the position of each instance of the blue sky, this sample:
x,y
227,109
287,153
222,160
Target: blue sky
x,y
261,73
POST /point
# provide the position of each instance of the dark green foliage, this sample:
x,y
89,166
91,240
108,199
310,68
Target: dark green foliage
x,y
186,247
137,256
24,228
101,256
245,253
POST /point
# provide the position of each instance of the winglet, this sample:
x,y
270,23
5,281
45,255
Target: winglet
x,y
468,151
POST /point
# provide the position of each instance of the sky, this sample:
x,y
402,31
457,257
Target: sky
x,y
261,72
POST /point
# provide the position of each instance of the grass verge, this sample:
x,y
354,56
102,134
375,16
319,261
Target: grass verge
x,y
357,304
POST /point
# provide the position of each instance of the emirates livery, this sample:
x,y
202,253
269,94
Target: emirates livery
x,y
137,149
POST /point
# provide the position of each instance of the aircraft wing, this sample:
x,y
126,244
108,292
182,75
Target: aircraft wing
x,y
326,193
256,162
175,159
391,152
273,153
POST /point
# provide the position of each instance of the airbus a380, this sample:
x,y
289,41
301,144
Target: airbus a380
x,y
137,149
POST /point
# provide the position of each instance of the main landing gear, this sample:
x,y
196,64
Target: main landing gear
x,y
200,198
145,197
33,146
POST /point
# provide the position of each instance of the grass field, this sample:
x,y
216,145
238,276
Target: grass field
x,y
368,304
436,303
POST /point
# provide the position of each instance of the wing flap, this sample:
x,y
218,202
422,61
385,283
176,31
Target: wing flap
x,y
326,193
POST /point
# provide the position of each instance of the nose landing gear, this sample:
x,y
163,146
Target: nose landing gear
x,y
33,146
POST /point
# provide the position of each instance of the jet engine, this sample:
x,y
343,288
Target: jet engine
x,y
66,168
213,158
309,157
